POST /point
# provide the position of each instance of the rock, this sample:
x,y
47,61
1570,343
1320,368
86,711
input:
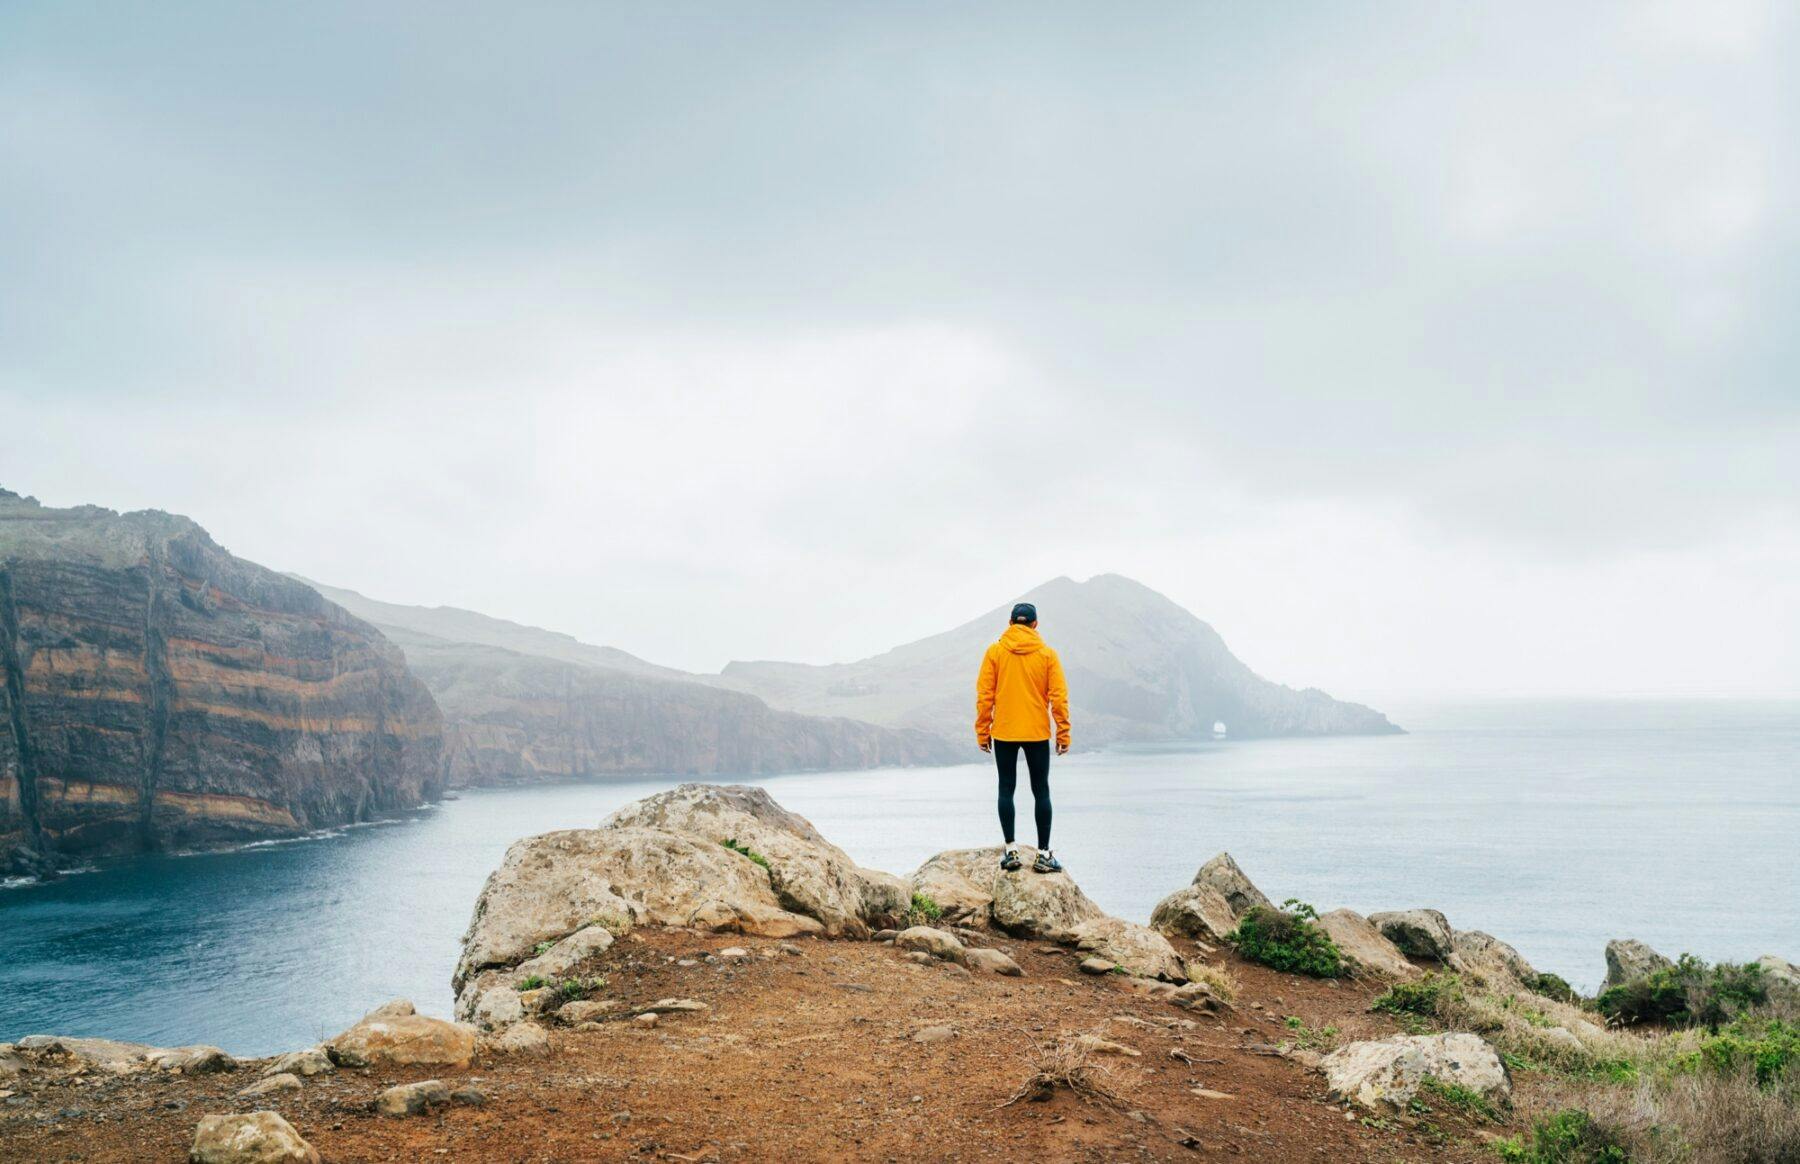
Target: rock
x,y
522,1039
882,936
587,942
1147,987
469,1096
1628,960
994,962
1387,1072
490,1001
1222,875
536,1000
412,1098
931,941
285,1081
1096,966
584,1010
1195,911
1488,959
1199,996
647,1019
1096,1045
395,1008
310,1062
969,885
117,1058
934,1035
954,969
1782,975
1139,950
552,885
734,953
918,957
1208,1093
1372,953
392,1036
810,875
794,951
1420,933
260,1137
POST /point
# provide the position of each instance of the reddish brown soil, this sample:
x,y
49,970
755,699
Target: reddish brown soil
x,y
810,1057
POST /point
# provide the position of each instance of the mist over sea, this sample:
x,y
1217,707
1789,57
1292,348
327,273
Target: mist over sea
x,y
1553,825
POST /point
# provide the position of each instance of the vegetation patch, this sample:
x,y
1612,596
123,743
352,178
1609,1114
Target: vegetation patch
x,y
531,983
1422,998
1767,1048
1570,1136
1463,1099
1689,993
923,911
1288,939
1065,1065
1220,980
736,846
1555,986
1310,1038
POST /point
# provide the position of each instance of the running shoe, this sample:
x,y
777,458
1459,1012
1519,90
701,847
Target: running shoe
x,y
1046,862
1009,860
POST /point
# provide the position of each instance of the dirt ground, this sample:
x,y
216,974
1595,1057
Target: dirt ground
x,y
812,1057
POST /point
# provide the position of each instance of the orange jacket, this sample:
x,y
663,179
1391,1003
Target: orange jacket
x,y
1020,687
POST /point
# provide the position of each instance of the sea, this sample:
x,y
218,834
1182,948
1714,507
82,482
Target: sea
x,y
1552,824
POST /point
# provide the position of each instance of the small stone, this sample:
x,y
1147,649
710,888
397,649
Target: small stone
x,y
412,1098
310,1062
994,962
522,1039
673,1006
734,952
648,1019
1095,966
885,935
934,1035
687,962
469,1096
791,949
1208,1093
919,956
286,1081
584,1010
956,971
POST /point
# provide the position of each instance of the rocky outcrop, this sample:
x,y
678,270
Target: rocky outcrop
x,y
1628,959
1386,1074
60,1054
1137,950
1140,668
522,704
1488,959
160,693
1211,907
1369,951
810,875
970,886
395,1035
258,1137
1421,933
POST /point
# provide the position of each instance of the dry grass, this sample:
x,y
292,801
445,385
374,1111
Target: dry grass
x,y
1066,1064
1530,1027
1695,1118
1219,979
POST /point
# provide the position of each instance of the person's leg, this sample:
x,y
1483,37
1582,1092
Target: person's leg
x,y
1006,759
1037,762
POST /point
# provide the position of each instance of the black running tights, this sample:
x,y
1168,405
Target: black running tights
x,y
1037,761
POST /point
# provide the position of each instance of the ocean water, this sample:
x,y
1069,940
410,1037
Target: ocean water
x,y
1553,825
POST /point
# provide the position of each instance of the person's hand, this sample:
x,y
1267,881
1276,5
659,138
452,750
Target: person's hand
x,y
985,745
1061,749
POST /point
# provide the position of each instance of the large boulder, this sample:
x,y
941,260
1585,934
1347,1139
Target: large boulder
x,y
931,941
1487,959
1386,1073
1368,950
971,887
1223,875
394,1036
258,1137
1628,960
552,885
809,874
1782,975
1195,911
1420,933
1138,950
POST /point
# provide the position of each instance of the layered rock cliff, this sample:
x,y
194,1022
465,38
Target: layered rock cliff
x,y
160,693
1140,669
522,704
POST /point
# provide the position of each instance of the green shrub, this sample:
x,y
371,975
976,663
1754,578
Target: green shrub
x,y
1766,1047
1462,1098
1288,939
1571,1136
733,844
1689,993
531,983
1555,986
922,912
1422,998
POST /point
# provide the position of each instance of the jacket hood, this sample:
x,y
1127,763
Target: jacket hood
x,y
1021,639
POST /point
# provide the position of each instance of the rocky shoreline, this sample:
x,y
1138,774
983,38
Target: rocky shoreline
x,y
560,962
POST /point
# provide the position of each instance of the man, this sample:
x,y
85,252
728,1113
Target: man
x,y
1019,690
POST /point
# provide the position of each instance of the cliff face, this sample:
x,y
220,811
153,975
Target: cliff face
x,y
1140,669
161,693
513,718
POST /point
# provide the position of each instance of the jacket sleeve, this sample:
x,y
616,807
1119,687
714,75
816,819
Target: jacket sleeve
x,y
984,698
1058,691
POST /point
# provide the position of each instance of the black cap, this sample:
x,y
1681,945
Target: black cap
x,y
1024,612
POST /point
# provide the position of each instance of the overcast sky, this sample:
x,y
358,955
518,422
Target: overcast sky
x,y
1419,348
